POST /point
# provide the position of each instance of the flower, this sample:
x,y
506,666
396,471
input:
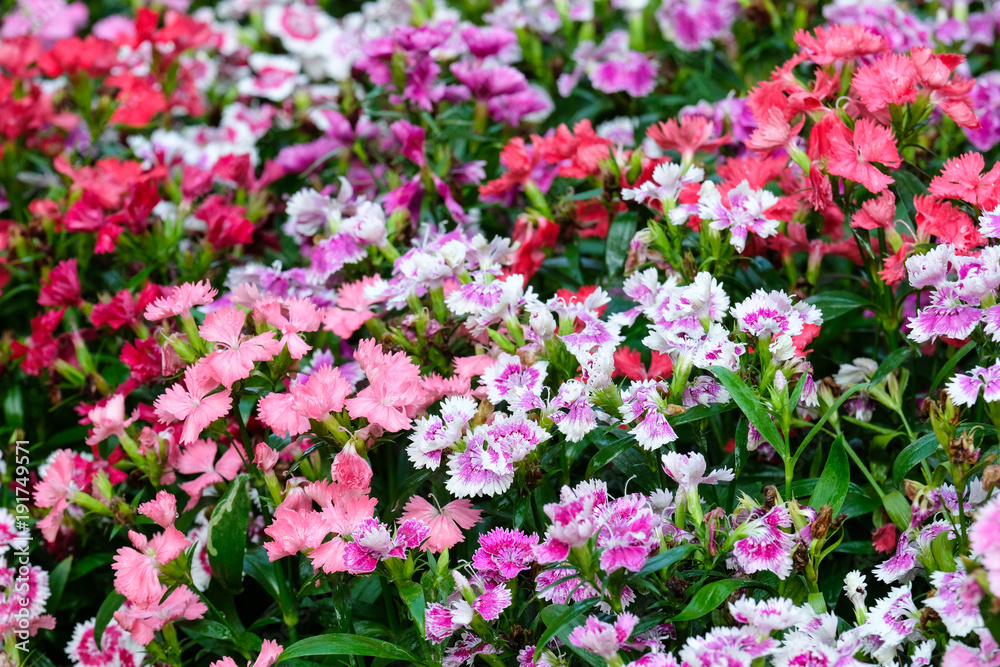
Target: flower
x,y
957,601
604,639
746,211
62,286
510,381
116,649
445,523
180,300
503,553
190,401
854,155
768,548
394,390
235,354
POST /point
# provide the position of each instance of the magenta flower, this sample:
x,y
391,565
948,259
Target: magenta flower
x,y
373,542
511,381
768,548
628,535
503,553
957,601
746,212
575,519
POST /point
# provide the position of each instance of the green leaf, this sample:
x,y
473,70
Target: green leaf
x,y
752,408
898,509
259,568
227,535
912,454
413,595
111,604
709,598
346,644
891,363
667,558
836,478
57,581
618,242
950,365
558,617
836,303
606,455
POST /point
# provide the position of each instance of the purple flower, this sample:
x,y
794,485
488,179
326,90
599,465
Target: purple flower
x,y
479,471
957,601
485,83
768,315
745,213
489,41
634,74
947,315
510,381
693,24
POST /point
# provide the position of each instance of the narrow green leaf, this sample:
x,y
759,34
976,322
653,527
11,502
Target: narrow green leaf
x,y
111,604
558,617
831,489
752,408
709,597
346,644
912,454
618,242
227,535
950,365
57,581
606,455
898,509
891,363
835,303
413,595
667,558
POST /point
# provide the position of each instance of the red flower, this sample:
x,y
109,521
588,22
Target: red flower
x,y
949,93
941,219
124,309
892,79
840,42
884,539
62,286
628,363
519,163
580,152
963,178
693,134
227,224
876,213
855,157
532,236
139,99
41,349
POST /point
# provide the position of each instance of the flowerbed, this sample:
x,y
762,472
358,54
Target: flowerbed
x,y
525,333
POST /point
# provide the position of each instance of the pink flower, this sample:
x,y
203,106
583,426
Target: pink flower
x,y
180,300
892,79
688,470
445,523
56,490
108,420
321,393
137,571
192,402
877,213
503,553
854,156
575,519
235,353
270,651
604,639
947,315
984,539
199,459
290,317
628,535
162,509
143,622
352,309
293,531
511,381
957,601
394,391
